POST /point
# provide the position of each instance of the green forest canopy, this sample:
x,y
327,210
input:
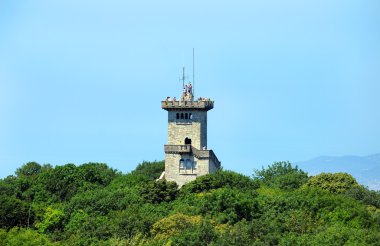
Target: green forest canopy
x,y
93,204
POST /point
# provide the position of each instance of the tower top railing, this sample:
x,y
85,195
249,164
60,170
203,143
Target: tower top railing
x,y
196,105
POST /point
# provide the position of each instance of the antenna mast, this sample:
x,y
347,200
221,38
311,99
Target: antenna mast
x,y
193,76
183,77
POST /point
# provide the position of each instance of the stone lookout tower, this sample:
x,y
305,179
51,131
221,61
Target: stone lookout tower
x,y
187,155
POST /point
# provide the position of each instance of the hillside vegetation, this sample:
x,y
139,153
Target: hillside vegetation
x,y
92,204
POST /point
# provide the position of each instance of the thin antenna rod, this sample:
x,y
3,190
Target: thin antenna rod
x,y
193,76
183,77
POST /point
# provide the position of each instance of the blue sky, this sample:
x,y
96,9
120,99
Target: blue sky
x,y
82,81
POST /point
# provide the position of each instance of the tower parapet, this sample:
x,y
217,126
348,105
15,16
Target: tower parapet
x,y
195,105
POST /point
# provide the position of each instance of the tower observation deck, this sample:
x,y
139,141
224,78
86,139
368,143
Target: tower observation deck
x,y
180,105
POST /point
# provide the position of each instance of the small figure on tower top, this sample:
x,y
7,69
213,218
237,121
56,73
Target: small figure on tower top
x,y
187,94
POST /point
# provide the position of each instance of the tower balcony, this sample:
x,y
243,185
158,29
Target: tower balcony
x,y
188,149
177,149
181,105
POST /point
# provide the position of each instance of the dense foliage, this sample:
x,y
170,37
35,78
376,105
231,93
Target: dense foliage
x,y
92,204
281,175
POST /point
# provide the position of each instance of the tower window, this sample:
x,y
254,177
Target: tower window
x,y
189,164
177,116
181,115
186,116
187,141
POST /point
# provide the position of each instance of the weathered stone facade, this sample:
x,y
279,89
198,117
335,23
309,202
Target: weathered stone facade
x,y
194,129
186,154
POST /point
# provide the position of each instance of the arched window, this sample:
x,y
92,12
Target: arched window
x,y
181,115
177,116
181,164
190,116
187,140
186,116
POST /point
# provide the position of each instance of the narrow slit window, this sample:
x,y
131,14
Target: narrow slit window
x,y
186,116
181,115
177,116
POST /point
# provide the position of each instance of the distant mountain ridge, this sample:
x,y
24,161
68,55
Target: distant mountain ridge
x,y
366,169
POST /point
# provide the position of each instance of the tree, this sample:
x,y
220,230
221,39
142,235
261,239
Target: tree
x,y
369,197
159,191
13,212
10,186
241,234
138,219
151,170
94,205
334,235
21,236
173,224
103,200
197,234
217,180
228,205
65,181
29,169
96,173
52,220
281,175
332,182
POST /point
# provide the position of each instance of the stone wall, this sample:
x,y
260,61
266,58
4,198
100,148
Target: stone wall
x,y
194,129
172,171
182,176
